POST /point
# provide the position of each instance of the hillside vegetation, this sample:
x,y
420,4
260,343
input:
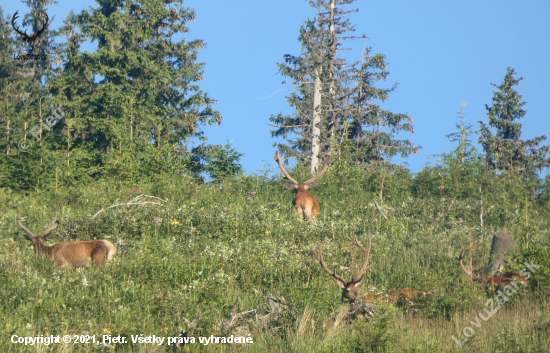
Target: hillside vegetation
x,y
210,245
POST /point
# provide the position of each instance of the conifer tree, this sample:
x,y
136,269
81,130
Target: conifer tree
x,y
23,93
505,150
465,151
137,117
334,100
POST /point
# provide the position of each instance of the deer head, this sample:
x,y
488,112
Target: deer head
x,y
306,204
350,289
70,253
33,36
486,280
38,241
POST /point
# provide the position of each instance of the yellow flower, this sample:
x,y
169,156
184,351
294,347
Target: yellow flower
x,y
267,232
7,325
106,330
175,222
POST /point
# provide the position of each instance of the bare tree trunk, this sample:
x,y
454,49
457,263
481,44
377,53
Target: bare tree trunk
x,y
502,241
315,123
332,90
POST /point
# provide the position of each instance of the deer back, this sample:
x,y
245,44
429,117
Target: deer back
x,y
70,253
74,254
393,296
502,280
305,201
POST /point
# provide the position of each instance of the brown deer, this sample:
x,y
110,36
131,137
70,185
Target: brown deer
x,y
350,290
487,281
70,254
306,204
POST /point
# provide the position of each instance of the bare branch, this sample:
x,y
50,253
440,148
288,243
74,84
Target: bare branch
x,y
379,210
134,201
272,94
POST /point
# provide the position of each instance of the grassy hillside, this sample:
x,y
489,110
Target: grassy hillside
x,y
211,245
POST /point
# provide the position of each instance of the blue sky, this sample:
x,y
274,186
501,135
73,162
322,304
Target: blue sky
x,y
441,53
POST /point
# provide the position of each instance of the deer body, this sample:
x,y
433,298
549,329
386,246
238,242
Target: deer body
x,y
305,203
497,281
393,296
490,281
71,254
350,289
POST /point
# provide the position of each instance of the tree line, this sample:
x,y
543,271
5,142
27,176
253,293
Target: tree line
x,y
133,109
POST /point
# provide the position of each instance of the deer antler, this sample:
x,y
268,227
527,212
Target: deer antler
x,y
51,227
26,37
469,273
25,229
332,273
278,159
359,277
327,162
44,25
15,27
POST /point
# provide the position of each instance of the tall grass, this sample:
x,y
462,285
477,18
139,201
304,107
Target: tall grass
x,y
212,246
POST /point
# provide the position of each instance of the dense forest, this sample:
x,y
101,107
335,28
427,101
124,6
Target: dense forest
x,y
111,145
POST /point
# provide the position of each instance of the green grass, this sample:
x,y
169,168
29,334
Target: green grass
x,y
167,271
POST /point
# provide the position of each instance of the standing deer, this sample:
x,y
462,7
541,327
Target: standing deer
x,y
70,254
485,280
350,290
306,204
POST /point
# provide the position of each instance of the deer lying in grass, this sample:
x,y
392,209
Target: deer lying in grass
x,y
350,290
306,204
486,281
70,254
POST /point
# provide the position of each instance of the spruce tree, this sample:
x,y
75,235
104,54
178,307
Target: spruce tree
x,y
146,104
505,150
333,100
465,151
23,94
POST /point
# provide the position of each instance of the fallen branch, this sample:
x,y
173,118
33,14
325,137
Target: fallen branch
x,y
353,312
135,201
379,210
192,329
276,304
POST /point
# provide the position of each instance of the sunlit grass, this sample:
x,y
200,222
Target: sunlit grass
x,y
209,245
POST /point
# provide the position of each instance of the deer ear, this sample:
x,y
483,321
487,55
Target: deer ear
x,y
290,186
360,280
46,236
27,236
312,185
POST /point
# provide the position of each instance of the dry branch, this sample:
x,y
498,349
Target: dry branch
x,y
135,201
379,210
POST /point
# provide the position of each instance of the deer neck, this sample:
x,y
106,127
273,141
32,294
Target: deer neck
x,y
42,249
302,189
